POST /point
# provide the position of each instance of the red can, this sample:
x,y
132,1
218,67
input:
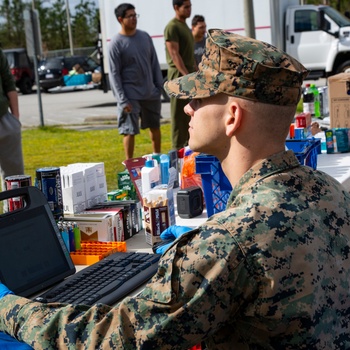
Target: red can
x,y
16,181
300,121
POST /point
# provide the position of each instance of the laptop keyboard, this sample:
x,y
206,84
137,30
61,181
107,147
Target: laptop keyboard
x,y
107,281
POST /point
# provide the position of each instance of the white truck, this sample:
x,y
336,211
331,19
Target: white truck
x,y
318,36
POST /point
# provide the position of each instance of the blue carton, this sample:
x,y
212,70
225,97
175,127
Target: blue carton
x,y
77,79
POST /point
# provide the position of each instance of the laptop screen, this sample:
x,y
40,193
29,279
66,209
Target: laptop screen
x,y
32,253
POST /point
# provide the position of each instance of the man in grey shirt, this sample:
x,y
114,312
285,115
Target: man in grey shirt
x,y
136,81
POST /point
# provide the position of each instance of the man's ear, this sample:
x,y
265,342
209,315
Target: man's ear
x,y
233,118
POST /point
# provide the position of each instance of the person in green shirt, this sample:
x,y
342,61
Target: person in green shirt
x,y
179,45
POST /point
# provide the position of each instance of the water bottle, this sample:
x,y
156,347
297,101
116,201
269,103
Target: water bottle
x,y
150,175
164,168
317,108
308,100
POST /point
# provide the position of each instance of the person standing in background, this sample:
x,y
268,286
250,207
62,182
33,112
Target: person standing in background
x,y
136,81
199,29
272,271
11,157
179,45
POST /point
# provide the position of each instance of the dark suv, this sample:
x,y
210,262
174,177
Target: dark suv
x,y
53,69
21,69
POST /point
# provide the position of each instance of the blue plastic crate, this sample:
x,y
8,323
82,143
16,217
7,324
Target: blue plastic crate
x,y
216,186
77,79
306,150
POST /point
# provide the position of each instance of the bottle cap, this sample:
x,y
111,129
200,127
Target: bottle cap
x,y
149,163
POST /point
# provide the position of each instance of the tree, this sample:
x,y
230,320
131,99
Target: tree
x,y
57,33
12,30
53,23
85,24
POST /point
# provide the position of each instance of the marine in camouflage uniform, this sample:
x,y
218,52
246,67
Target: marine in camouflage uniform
x,y
270,272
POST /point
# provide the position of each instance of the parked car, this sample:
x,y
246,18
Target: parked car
x,y
21,68
53,69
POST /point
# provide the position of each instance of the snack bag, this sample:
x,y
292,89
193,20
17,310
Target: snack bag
x,y
189,177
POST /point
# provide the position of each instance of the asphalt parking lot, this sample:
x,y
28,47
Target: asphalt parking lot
x,y
86,108
89,107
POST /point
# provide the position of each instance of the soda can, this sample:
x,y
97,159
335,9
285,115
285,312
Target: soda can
x,y
48,180
300,121
16,181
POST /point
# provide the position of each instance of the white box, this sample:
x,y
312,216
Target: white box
x,y
95,182
73,191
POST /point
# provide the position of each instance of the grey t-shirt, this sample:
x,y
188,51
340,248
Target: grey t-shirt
x,y
199,48
134,68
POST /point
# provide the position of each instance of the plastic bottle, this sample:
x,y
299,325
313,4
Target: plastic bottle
x,y
317,107
149,175
308,100
164,168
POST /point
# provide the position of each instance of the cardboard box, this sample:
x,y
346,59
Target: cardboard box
x,y
73,191
134,167
125,183
156,221
118,221
339,100
94,227
131,211
96,77
95,181
159,209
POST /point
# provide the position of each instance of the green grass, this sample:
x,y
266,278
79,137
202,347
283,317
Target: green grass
x,y
56,146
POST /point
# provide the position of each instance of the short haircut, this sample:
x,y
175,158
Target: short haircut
x,y
120,11
178,2
196,19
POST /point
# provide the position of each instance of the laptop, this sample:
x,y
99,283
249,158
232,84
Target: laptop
x,y
35,262
33,256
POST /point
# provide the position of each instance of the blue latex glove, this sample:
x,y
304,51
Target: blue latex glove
x,y
4,291
9,343
170,234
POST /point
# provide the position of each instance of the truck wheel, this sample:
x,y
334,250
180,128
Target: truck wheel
x,y
344,68
25,86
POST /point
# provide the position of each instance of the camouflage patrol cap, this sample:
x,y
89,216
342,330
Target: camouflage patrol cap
x,y
242,67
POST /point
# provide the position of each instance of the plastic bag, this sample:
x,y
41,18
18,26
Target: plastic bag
x,y
188,171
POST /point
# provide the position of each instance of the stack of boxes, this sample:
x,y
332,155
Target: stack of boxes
x,y
338,136
117,215
83,186
84,191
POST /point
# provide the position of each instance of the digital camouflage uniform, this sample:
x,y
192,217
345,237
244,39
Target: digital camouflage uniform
x,y
270,272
